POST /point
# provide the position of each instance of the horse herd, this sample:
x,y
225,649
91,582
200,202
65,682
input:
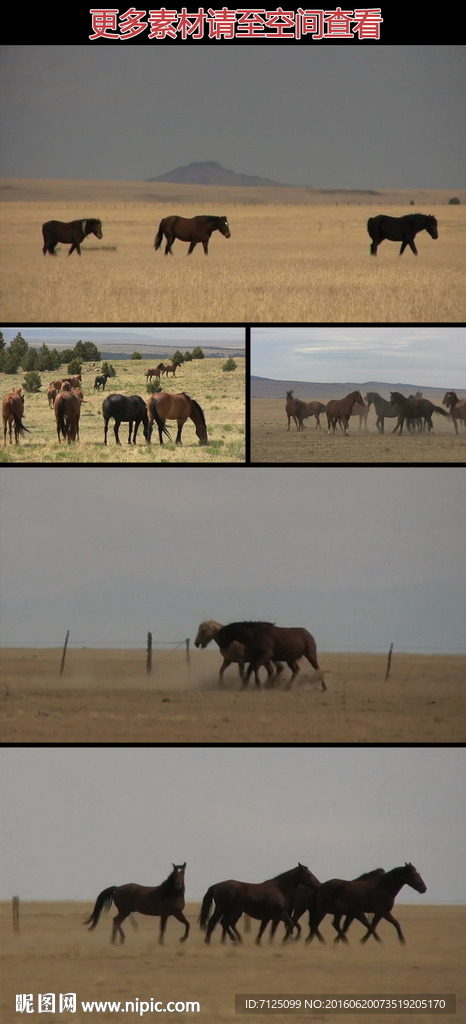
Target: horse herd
x,y
199,229
261,644
281,899
413,410
65,396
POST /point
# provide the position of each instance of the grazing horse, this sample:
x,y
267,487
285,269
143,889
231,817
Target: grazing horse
x,y
67,408
101,381
76,231
457,407
400,229
339,410
267,642
271,900
125,410
383,408
414,409
164,901
236,653
190,229
12,414
165,406
156,372
172,368
374,895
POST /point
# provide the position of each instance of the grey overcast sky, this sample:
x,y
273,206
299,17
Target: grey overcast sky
x,y
429,356
187,337
341,812
361,557
375,116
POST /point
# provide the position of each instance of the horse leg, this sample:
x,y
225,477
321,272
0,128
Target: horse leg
x,y
225,665
163,925
314,922
117,921
168,247
130,429
206,247
178,435
336,924
396,924
217,914
105,431
293,665
369,925
191,248
115,431
263,926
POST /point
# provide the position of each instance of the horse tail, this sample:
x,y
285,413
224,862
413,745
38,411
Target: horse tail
x,y
437,408
158,419
159,237
19,425
205,908
311,651
103,902
61,418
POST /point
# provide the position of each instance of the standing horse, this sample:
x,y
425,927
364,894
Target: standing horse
x,y
413,409
236,653
362,411
125,410
156,372
294,409
457,407
267,642
339,410
374,895
400,229
67,408
271,900
165,406
12,413
164,901
101,381
190,229
54,231
383,408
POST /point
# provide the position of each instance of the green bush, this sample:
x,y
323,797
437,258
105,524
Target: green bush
x,y
108,369
136,355
229,365
197,353
32,381
153,387
74,367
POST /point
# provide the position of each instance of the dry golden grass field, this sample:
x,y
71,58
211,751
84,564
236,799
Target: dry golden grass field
x,y
53,952
107,697
295,255
221,395
272,442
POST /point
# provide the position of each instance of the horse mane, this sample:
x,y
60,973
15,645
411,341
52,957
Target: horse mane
x,y
196,406
167,886
252,624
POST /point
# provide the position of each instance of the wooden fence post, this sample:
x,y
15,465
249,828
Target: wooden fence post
x,y
149,654
188,656
64,653
15,909
389,662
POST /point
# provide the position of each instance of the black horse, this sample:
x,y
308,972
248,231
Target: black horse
x,y
125,410
412,409
190,229
101,381
75,231
400,229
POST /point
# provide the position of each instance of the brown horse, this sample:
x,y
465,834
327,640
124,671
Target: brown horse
x,y
172,368
294,409
312,900
51,396
412,409
267,642
362,411
67,408
271,900
12,413
339,410
165,406
190,229
54,231
457,407
236,653
374,895
164,901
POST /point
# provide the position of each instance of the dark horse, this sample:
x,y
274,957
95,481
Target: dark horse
x,y
101,381
414,409
339,410
164,901
190,229
400,229
75,231
271,900
269,643
321,895
374,895
12,414
164,406
125,410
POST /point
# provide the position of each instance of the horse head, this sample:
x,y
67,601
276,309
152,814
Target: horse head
x,y
414,879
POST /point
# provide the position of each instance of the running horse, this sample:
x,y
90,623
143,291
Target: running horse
x,y
12,414
164,901
165,406
267,642
190,229
374,895
54,231
312,899
172,368
400,229
271,900
125,410
236,653
414,409
457,407
339,410
155,372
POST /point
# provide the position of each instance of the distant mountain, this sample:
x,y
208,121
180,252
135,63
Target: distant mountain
x,y
209,172
265,387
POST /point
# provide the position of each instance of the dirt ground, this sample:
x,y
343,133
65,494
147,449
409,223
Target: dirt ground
x,y
52,952
271,441
107,697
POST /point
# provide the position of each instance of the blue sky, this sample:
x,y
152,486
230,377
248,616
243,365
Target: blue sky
x,y
429,356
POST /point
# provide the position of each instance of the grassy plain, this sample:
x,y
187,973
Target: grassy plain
x,y
295,255
272,442
53,952
221,395
107,697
